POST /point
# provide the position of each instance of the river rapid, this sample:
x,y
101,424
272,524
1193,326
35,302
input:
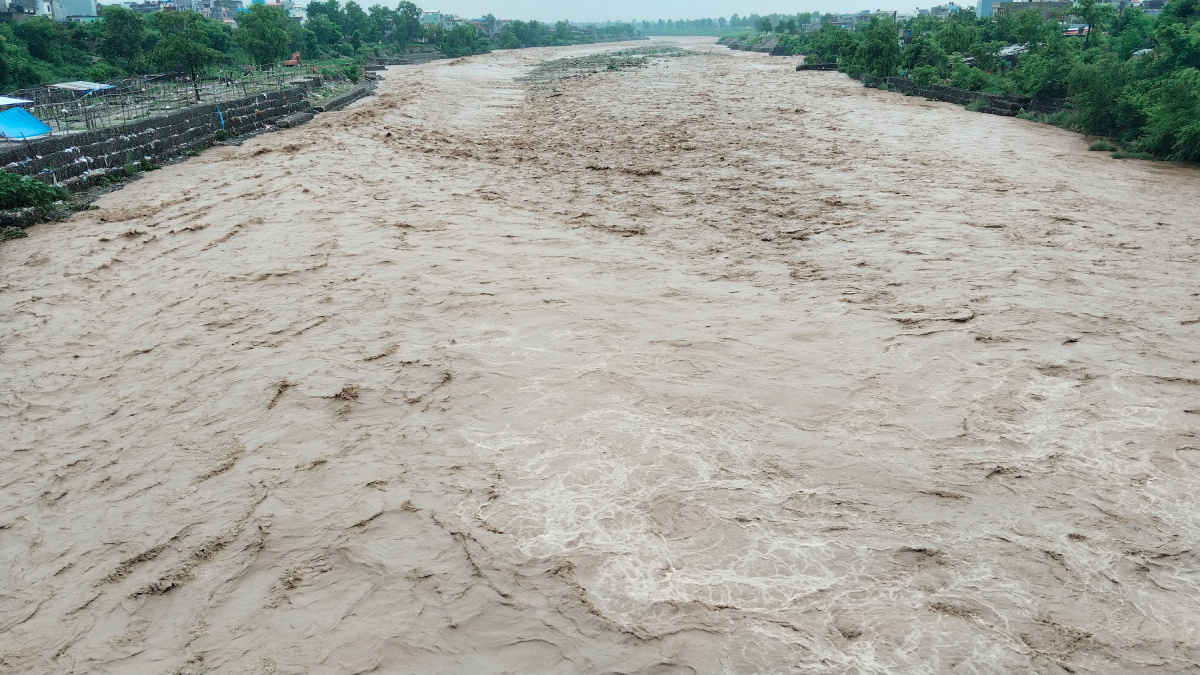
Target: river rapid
x,y
705,366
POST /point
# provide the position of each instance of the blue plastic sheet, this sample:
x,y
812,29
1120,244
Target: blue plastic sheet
x,y
18,123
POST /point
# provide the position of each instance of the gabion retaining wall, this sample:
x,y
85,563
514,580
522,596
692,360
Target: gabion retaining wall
x,y
345,99
997,104
71,160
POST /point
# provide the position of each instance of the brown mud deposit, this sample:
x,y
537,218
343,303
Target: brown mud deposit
x,y
703,366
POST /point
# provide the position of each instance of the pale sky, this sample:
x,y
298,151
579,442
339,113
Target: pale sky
x,y
652,10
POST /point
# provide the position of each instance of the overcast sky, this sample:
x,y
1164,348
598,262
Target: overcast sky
x,y
625,10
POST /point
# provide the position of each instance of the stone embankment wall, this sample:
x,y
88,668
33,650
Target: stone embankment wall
x,y
345,99
73,159
997,104
768,45
411,59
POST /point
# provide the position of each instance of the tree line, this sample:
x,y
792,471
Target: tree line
x,y
721,25
1131,77
40,50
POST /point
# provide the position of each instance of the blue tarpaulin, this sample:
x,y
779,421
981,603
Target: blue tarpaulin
x,y
18,123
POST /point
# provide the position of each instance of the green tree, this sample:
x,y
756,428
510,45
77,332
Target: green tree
x,y
1173,117
383,24
987,54
261,35
879,53
831,42
1177,35
462,40
355,19
1096,84
924,52
924,76
220,35
184,43
330,9
40,35
956,36
312,46
1134,31
16,70
1043,75
964,76
408,21
1088,10
1032,30
296,38
327,32
121,40
508,39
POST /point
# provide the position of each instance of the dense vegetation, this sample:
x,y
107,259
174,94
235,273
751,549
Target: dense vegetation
x,y
41,50
721,26
1132,77
536,34
21,191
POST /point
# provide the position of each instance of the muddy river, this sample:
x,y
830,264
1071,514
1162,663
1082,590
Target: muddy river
x,y
523,365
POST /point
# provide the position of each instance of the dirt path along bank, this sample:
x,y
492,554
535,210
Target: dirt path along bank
x,y
705,366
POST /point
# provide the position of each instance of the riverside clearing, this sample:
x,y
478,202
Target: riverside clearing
x,y
697,365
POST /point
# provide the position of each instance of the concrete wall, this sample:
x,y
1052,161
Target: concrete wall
x,y
70,158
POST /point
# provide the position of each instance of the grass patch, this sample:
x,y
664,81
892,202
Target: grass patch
x,y
1065,119
1132,155
977,105
12,233
18,192
882,86
1102,145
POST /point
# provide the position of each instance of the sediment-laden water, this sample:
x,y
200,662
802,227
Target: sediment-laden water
x,y
706,365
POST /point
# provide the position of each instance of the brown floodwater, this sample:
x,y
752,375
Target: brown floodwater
x,y
707,366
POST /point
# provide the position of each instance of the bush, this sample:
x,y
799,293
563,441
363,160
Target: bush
x,y
1173,117
926,76
508,40
970,78
924,52
1066,119
351,71
1132,155
1102,146
977,105
1042,76
12,233
131,168
17,192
